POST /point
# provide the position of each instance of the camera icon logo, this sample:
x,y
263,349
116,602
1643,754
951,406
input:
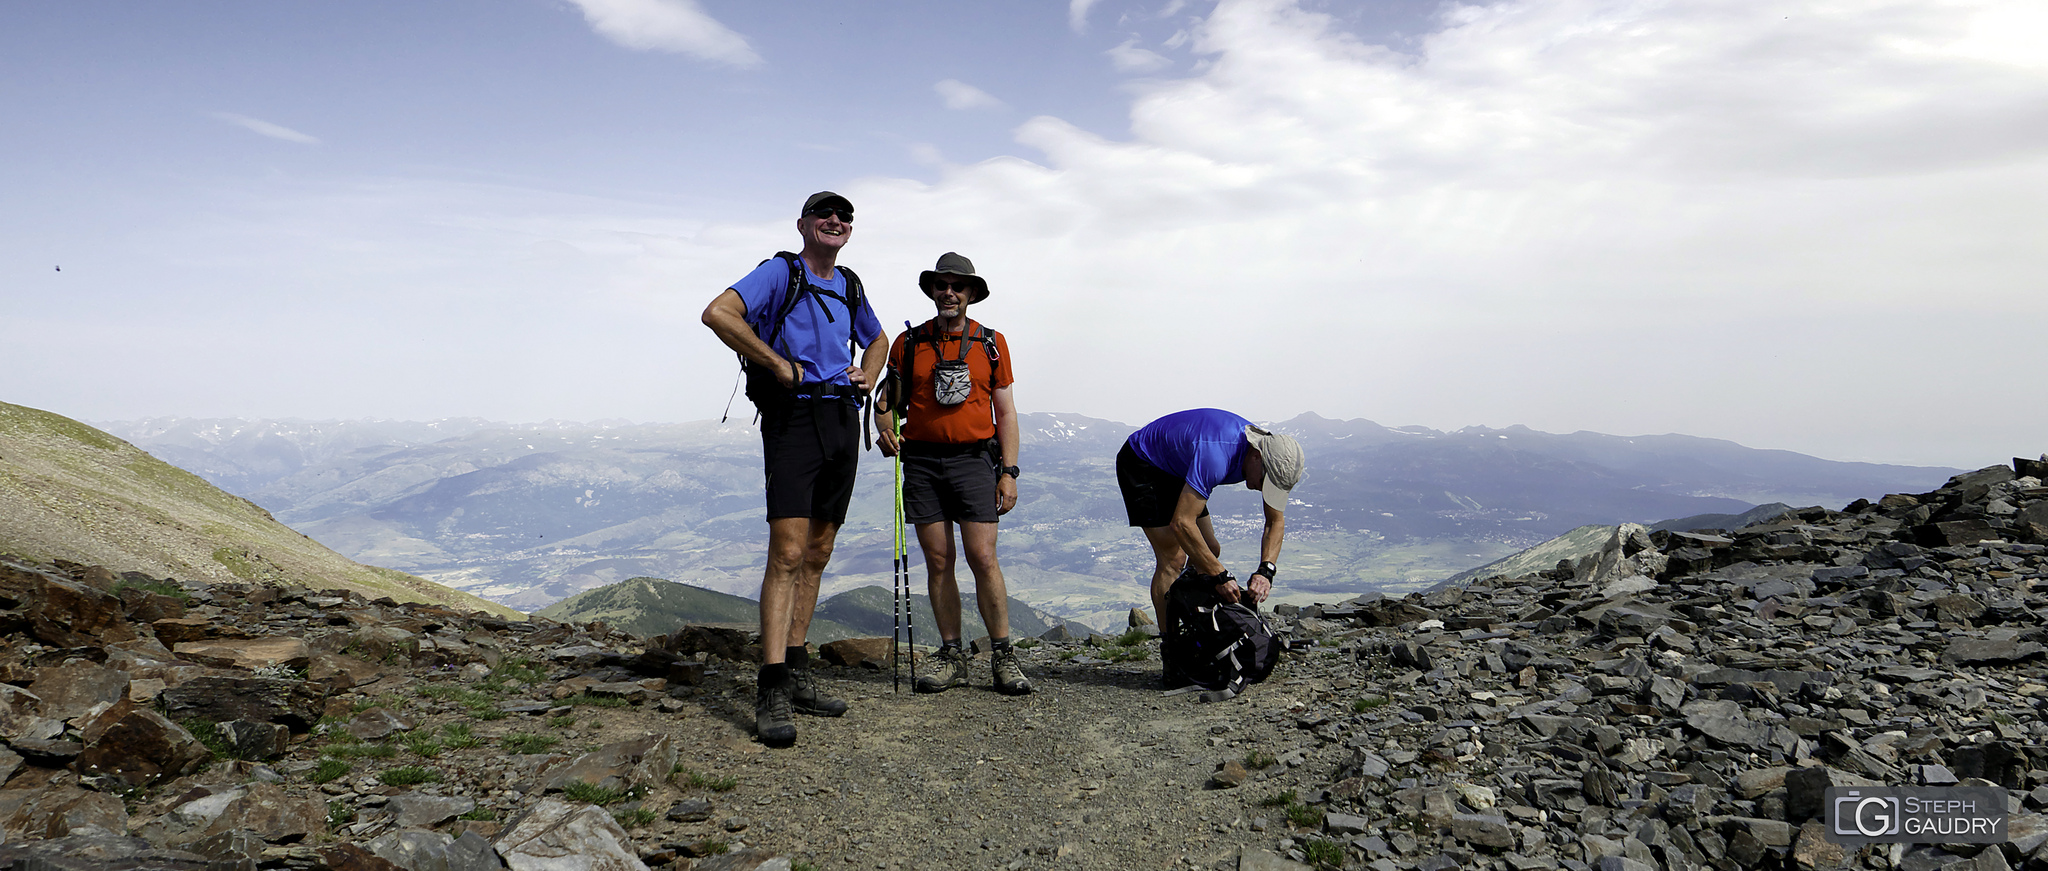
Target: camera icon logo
x,y
1868,816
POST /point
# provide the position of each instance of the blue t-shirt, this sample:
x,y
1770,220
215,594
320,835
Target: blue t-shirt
x,y
1204,446
809,336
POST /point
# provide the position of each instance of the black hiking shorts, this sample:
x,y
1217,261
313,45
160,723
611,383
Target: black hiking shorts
x,y
1150,493
943,482
810,449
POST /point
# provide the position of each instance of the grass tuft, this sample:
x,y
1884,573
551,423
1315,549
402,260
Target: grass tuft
x,y
410,775
1282,799
591,793
694,780
329,770
1324,853
529,744
1258,759
1360,706
635,818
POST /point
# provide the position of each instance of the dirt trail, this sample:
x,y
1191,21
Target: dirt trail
x,y
1095,770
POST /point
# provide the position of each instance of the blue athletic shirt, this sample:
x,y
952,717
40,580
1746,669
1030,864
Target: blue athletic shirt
x,y
807,337
1204,446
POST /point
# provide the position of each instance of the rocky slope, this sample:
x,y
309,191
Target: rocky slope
x,y
1676,700
68,491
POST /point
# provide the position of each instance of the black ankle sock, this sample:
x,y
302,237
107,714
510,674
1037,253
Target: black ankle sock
x,y
798,656
955,644
775,674
1002,643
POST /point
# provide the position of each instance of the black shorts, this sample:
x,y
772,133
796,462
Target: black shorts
x,y
810,450
1150,493
955,483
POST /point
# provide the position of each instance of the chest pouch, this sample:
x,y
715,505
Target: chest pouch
x,y
951,382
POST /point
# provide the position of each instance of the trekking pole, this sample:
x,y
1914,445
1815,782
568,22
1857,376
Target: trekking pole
x,y
896,578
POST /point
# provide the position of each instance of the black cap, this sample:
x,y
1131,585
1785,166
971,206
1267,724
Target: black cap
x,y
826,198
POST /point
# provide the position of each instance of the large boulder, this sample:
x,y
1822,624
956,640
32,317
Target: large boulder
x,y
296,704
555,835
138,746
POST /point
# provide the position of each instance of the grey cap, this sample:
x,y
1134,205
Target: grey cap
x,y
954,264
1281,455
826,198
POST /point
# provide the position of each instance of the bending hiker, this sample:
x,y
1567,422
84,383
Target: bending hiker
x,y
1168,468
952,378
795,321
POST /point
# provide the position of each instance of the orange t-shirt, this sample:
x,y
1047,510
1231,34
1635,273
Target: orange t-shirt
x,y
973,420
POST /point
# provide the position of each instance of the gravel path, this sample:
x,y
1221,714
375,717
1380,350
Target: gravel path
x,y
1097,769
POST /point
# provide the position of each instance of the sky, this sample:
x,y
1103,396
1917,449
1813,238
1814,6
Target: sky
x,y
1810,226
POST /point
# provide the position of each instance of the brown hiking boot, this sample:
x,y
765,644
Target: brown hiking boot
x,y
1009,676
949,670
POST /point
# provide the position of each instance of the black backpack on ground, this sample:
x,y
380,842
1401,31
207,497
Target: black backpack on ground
x,y
1211,644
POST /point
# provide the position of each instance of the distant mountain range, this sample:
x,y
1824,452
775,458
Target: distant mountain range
x,y
532,514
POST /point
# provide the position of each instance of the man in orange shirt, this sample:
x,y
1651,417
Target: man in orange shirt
x,y
959,450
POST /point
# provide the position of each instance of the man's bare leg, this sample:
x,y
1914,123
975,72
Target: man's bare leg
x,y
941,581
979,540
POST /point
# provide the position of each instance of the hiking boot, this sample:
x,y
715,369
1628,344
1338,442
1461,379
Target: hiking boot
x,y
806,698
1010,679
773,721
949,670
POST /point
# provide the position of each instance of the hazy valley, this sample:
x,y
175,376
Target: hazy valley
x,y
528,515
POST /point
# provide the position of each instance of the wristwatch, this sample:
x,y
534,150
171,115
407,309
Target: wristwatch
x,y
1268,569
1011,471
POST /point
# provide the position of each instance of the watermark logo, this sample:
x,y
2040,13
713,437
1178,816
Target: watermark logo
x,y
1859,815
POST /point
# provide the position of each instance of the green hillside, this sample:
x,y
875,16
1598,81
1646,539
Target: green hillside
x,y
653,606
71,492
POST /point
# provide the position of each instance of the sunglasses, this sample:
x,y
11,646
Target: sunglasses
x,y
961,287
844,215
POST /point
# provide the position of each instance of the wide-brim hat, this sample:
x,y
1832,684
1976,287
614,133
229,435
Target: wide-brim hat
x,y
1281,455
954,264
826,198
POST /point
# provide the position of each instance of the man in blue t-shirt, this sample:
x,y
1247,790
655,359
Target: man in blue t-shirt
x,y
1168,468
797,325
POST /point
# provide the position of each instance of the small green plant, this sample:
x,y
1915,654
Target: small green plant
x,y
422,744
565,721
1360,706
1133,638
710,847
479,704
459,736
591,793
208,734
1324,853
529,744
339,814
1028,643
1302,816
516,669
410,775
1258,759
1068,655
480,814
635,818
1283,799
588,700
329,770
694,780
1128,654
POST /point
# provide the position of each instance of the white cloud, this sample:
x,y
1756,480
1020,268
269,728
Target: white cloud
x,y
1129,58
265,128
668,25
959,95
1077,14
